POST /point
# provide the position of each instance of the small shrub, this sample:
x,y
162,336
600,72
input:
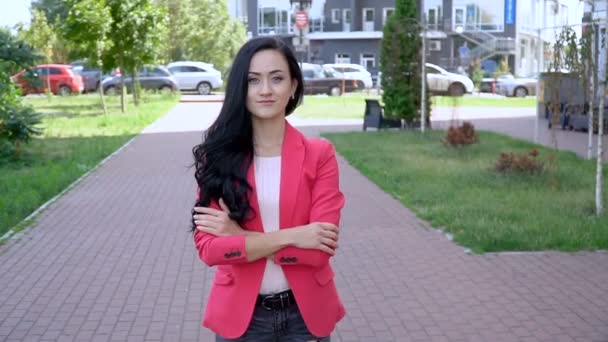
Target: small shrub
x,y
18,125
519,163
461,135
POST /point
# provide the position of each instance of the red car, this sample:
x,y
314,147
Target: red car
x,y
64,81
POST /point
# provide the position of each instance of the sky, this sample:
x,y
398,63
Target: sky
x,y
13,12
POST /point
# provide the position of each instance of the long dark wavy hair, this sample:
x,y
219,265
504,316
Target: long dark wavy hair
x,y
224,156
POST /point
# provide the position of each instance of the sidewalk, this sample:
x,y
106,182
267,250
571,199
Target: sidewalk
x,y
112,261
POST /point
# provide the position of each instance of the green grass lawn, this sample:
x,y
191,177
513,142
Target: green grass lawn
x,y
478,101
352,106
77,136
458,191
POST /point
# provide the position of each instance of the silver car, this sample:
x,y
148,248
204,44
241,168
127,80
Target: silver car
x,y
198,76
508,85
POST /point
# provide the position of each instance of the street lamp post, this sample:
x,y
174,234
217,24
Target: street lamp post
x,y
302,5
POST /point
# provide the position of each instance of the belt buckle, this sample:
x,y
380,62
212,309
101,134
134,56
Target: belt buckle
x,y
270,297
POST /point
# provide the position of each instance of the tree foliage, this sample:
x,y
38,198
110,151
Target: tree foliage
x,y
87,27
18,123
400,59
202,30
53,9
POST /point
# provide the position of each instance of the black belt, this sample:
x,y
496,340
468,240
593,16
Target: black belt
x,y
277,301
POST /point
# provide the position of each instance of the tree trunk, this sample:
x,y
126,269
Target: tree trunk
x,y
48,82
599,205
599,201
100,64
135,86
123,104
593,82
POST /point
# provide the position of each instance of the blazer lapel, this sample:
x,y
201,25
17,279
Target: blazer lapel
x,y
255,223
292,159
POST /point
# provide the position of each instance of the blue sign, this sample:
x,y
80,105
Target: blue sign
x,y
509,12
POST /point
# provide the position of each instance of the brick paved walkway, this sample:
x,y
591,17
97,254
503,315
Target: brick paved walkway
x,y
112,261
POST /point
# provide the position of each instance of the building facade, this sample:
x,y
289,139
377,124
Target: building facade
x,y
492,30
339,31
458,32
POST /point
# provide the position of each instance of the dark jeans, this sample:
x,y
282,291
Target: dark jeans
x,y
285,325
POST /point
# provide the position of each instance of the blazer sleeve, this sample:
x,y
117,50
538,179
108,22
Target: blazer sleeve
x,y
219,250
327,202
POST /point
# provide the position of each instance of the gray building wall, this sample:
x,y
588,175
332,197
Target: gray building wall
x,y
324,51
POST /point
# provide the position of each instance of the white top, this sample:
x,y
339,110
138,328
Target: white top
x,y
268,188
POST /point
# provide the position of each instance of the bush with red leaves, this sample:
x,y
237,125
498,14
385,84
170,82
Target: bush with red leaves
x,y
461,135
519,163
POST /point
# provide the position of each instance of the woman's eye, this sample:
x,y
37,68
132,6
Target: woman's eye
x,y
278,79
253,80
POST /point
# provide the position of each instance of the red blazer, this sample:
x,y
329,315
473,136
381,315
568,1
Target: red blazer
x,y
309,193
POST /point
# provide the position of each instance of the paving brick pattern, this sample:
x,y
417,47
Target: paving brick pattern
x,y
112,261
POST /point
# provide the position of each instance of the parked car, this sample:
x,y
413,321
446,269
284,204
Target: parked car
x,y
150,78
63,80
508,85
441,81
354,72
90,75
325,80
199,76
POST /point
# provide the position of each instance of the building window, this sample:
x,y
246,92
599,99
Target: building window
x,y
480,15
273,20
434,45
346,20
563,13
335,16
368,60
432,10
458,18
342,58
386,12
368,19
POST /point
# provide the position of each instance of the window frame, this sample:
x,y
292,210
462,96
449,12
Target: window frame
x,y
385,15
335,15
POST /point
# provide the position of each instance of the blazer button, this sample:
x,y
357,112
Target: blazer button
x,y
227,255
294,259
282,259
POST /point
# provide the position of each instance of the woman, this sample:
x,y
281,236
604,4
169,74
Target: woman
x,y
268,208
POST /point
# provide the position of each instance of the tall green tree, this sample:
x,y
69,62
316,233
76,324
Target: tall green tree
x,y
137,30
182,21
87,28
400,62
217,33
202,30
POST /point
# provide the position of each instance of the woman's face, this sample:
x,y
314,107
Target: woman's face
x,y
270,85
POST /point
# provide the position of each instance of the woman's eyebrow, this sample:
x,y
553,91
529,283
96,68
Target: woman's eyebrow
x,y
272,72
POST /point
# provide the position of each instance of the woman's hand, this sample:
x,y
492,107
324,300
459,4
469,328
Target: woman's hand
x,y
216,222
317,235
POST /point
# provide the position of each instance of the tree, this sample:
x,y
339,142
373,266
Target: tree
x,y
87,27
18,123
137,31
53,9
40,35
400,62
197,26
182,20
